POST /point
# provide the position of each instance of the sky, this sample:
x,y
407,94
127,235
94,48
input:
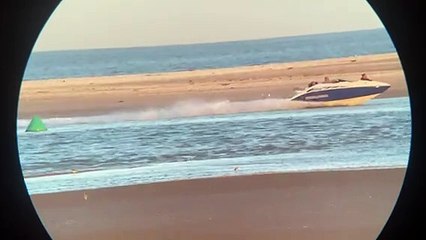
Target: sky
x,y
89,24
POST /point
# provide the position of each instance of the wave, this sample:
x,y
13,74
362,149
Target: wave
x,y
173,171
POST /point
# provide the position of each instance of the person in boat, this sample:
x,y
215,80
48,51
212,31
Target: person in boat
x,y
365,77
312,83
327,80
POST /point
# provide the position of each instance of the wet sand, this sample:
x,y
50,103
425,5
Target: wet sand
x,y
318,205
100,95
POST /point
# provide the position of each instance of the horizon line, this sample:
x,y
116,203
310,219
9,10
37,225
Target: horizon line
x,y
206,43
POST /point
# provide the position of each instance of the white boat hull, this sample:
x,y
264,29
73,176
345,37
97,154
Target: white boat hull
x,y
344,102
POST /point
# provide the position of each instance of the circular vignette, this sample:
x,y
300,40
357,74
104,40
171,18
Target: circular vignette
x,y
401,19
22,21
20,24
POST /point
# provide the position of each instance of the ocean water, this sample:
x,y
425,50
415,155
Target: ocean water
x,y
185,141
105,62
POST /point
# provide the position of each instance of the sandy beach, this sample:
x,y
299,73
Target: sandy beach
x,y
100,95
317,205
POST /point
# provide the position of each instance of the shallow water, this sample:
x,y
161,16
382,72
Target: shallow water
x,y
177,143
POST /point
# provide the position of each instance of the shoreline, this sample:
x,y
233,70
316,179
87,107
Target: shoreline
x,y
333,205
100,95
230,174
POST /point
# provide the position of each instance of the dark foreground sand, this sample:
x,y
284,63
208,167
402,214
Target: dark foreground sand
x,y
318,205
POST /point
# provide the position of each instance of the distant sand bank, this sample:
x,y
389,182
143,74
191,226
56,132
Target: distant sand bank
x,y
316,205
99,95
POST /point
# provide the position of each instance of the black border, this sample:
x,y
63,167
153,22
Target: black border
x,y
403,21
20,24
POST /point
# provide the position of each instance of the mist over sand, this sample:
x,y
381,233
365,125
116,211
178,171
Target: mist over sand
x,y
182,109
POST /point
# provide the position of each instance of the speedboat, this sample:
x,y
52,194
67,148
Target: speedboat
x,y
340,92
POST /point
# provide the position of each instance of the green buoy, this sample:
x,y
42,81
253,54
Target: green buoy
x,y
36,125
